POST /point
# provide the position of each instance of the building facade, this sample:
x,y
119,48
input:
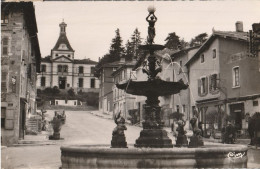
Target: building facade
x,y
123,101
104,73
61,69
226,81
20,60
181,101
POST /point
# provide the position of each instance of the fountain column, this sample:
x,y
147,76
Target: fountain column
x,y
152,134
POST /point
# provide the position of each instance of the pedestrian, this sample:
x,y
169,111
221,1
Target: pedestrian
x,y
230,133
200,127
172,126
251,129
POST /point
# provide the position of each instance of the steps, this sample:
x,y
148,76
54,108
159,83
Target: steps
x,y
34,124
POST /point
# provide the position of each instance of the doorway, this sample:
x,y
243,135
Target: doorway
x,y
22,120
62,82
237,112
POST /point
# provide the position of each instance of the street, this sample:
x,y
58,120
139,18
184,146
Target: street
x,y
81,127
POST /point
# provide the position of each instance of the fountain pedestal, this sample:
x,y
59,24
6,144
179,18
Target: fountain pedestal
x,y
118,142
196,141
154,138
182,141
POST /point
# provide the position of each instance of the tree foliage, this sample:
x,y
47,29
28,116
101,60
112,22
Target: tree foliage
x,y
172,41
116,50
132,46
71,92
199,39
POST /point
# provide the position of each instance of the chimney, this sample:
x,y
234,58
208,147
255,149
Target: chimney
x,y
256,28
239,26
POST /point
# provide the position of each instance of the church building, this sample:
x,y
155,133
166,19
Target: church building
x,y
62,70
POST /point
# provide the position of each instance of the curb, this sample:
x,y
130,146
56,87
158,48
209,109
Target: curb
x,y
33,144
3,147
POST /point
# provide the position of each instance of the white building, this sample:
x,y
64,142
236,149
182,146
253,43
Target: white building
x,y
123,101
62,70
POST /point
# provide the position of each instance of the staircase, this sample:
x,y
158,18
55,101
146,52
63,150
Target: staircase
x,y
34,124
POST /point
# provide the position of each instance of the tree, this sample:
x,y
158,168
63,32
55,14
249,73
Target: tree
x,y
183,44
199,39
116,49
55,90
132,46
172,41
71,92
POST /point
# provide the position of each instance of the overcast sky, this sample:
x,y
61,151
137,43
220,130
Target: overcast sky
x,y
91,25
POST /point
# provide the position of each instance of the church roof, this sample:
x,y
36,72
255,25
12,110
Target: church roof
x,y
62,40
84,61
75,61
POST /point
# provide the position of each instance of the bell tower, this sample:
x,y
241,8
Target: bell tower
x,y
62,46
63,26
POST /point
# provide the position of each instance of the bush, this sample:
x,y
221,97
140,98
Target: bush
x,y
71,92
39,91
55,90
48,90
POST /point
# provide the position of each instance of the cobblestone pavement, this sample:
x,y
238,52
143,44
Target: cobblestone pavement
x,y
81,127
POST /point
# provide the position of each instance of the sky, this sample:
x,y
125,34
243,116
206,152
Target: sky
x,y
91,25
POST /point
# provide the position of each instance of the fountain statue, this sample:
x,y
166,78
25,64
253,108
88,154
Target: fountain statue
x,y
153,148
151,19
196,138
181,137
118,135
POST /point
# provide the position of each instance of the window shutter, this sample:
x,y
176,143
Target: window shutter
x,y
218,81
210,83
206,85
29,71
199,87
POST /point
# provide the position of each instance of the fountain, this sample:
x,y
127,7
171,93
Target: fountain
x,y
153,149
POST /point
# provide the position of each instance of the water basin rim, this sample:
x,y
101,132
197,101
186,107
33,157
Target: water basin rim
x,y
133,150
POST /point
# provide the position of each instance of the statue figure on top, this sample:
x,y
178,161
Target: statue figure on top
x,y
151,19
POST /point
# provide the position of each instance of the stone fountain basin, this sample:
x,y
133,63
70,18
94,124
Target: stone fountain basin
x,y
155,87
102,156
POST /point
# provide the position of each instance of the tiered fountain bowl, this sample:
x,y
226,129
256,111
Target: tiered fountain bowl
x,y
153,149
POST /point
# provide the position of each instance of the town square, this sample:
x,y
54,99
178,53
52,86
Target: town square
x,y
143,84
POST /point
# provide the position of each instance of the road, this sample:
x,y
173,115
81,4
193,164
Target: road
x,y
81,127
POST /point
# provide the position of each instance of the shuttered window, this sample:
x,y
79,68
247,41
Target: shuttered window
x,y
3,115
92,70
43,68
214,83
236,77
80,82
43,81
214,53
203,86
5,46
4,82
63,68
81,69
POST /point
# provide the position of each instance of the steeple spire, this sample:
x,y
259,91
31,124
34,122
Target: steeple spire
x,y
63,26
